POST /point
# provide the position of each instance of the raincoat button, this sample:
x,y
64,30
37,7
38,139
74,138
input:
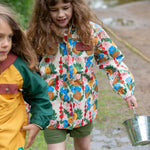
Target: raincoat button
x,y
6,89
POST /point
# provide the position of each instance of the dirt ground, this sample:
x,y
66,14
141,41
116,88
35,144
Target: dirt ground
x,y
136,31
138,35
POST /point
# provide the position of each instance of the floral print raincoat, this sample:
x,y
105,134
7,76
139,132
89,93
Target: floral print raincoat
x,y
72,84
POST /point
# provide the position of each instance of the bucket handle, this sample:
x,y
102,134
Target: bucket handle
x,y
135,114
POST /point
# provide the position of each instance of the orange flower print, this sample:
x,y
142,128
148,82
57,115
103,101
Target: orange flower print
x,y
90,83
109,71
94,107
51,127
77,126
93,75
70,120
77,95
95,40
47,70
62,97
89,52
121,90
51,82
67,75
115,54
102,60
115,80
130,87
75,116
51,95
96,88
93,98
74,70
87,94
113,43
77,82
75,51
64,84
71,82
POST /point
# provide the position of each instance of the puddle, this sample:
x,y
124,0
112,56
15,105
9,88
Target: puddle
x,y
95,4
118,22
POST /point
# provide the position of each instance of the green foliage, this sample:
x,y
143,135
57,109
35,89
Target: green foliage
x,y
23,9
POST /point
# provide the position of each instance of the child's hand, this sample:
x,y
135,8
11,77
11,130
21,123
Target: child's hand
x,y
33,131
131,101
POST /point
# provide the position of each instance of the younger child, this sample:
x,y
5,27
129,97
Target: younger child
x,y
69,41
19,83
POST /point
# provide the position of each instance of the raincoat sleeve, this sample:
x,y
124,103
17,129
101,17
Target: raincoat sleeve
x,y
110,59
35,93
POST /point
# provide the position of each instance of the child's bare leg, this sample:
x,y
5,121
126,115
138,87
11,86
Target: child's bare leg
x,y
82,143
57,146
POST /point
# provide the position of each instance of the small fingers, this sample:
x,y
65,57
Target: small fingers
x,y
131,101
25,128
29,142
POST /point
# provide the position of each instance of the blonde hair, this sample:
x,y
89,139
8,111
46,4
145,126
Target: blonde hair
x,y
20,45
40,33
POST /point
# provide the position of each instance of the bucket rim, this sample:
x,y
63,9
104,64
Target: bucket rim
x,y
134,118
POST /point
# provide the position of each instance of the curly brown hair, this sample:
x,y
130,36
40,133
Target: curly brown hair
x,y
41,35
20,44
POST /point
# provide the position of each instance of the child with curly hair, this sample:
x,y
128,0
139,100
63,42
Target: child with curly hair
x,y
69,40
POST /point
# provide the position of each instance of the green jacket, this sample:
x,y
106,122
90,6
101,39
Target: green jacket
x,y
20,82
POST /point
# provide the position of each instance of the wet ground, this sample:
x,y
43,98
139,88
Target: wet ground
x,y
131,22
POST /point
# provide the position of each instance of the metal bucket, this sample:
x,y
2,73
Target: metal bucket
x,y
138,129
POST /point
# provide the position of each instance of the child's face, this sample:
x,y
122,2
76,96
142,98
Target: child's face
x,y
61,13
6,34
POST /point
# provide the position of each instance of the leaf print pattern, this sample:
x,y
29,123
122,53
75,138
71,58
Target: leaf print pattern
x,y
72,84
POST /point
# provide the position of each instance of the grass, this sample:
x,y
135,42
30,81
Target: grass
x,y
112,109
39,143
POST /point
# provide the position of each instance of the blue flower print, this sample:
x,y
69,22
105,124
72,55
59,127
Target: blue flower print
x,y
64,77
72,88
88,101
88,104
64,49
99,28
88,107
66,97
100,56
61,90
77,89
71,75
117,86
87,88
88,64
129,80
95,82
119,58
65,123
50,89
70,69
89,58
72,42
112,49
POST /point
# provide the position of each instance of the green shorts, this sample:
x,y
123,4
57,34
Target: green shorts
x,y
53,136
